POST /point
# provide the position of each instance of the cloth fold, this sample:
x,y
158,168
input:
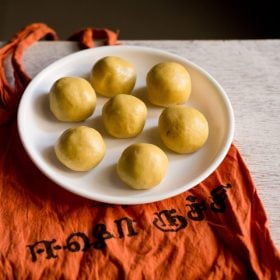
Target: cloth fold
x,y
216,230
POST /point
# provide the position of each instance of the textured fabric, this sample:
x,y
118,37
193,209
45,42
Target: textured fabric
x,y
216,230
10,96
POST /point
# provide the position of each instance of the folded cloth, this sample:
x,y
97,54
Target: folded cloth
x,y
216,230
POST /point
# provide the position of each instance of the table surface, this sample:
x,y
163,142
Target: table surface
x,y
249,71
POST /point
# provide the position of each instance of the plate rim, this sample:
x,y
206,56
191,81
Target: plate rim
x,y
137,199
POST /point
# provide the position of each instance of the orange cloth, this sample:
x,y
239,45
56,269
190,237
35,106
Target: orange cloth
x,y
216,230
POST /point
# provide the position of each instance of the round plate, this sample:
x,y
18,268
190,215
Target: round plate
x,y
39,130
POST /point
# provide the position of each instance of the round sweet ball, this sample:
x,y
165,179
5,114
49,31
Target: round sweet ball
x,y
72,99
80,148
183,129
113,75
124,116
168,83
142,165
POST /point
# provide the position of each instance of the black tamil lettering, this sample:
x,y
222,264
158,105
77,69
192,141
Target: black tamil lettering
x,y
129,226
196,208
44,246
219,196
169,220
101,234
73,245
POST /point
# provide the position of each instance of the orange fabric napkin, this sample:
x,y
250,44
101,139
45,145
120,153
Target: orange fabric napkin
x,y
216,230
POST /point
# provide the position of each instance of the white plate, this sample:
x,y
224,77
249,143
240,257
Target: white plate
x,y
39,130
